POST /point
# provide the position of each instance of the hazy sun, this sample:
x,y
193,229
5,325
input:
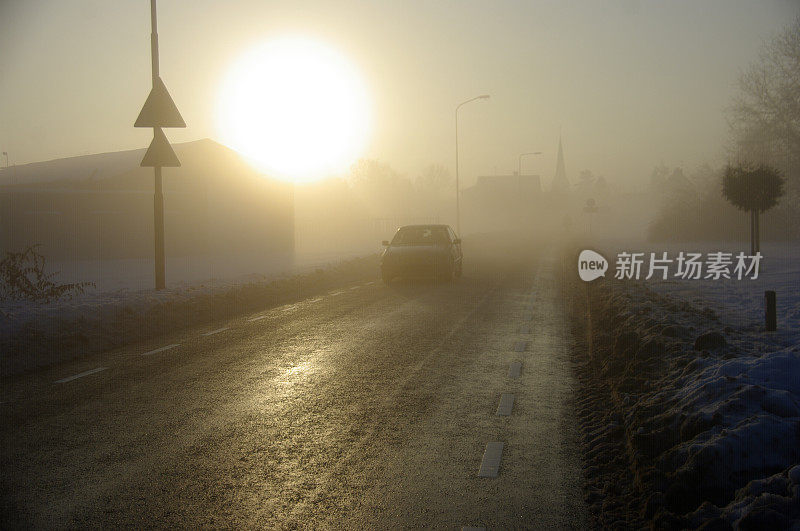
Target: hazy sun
x,y
296,108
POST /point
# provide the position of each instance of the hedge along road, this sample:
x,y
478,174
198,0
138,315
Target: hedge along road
x,y
368,408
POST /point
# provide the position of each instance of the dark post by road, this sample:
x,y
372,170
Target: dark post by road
x,y
770,312
158,227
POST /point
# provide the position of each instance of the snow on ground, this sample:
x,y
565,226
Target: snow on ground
x,y
130,282
709,403
740,303
113,313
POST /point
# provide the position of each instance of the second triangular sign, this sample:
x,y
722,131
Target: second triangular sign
x,y
160,153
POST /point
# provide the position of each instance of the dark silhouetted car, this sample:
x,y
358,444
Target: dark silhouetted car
x,y
422,250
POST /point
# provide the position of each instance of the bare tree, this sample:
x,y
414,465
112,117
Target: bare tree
x,y
433,179
381,188
765,115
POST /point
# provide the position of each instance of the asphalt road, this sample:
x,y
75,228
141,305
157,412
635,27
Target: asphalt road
x,y
368,407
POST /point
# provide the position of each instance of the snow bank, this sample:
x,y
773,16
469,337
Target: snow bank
x,y
691,411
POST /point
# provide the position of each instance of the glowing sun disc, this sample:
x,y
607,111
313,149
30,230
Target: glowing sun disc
x,y
296,108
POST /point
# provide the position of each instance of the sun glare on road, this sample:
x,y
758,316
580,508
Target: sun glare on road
x,y
300,368
296,108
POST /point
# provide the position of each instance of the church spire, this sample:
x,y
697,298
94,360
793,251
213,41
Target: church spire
x,y
560,181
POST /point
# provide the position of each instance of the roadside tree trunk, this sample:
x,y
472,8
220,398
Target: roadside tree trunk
x,y
758,232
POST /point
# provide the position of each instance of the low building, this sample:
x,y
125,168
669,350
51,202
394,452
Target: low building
x,y
92,216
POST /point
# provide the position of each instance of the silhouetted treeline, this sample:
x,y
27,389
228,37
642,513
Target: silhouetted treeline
x,y
353,213
764,119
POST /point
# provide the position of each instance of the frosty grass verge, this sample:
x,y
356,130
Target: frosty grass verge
x,y
705,404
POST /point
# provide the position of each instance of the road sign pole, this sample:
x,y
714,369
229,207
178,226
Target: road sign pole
x,y
158,196
158,111
158,225
154,40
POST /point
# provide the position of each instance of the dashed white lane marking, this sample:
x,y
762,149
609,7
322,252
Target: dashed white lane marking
x,y
162,349
217,331
81,375
316,300
506,405
514,369
490,465
356,287
520,346
335,293
257,318
369,283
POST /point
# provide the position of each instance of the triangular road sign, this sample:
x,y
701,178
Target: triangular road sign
x,y
159,110
160,152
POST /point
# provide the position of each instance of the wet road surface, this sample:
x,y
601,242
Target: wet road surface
x,y
371,406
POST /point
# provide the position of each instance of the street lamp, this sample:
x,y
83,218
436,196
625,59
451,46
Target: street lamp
x,y
519,162
458,189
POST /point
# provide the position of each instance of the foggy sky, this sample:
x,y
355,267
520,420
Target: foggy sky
x,y
629,84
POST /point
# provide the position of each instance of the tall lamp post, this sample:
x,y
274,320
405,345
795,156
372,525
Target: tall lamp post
x,y
458,188
519,161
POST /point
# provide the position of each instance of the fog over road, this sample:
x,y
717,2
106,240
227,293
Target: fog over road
x,y
370,406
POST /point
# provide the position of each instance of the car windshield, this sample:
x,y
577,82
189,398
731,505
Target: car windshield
x,y
421,236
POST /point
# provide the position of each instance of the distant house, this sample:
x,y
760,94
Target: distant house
x,y
221,215
500,202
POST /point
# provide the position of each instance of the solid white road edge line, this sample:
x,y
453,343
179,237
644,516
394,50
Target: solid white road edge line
x,y
217,331
162,349
81,375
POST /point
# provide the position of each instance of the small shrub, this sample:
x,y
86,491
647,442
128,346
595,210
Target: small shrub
x,y
22,277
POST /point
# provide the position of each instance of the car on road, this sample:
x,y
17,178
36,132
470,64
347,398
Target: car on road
x,y
422,250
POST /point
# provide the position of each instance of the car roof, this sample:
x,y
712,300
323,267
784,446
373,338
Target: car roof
x,y
423,226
